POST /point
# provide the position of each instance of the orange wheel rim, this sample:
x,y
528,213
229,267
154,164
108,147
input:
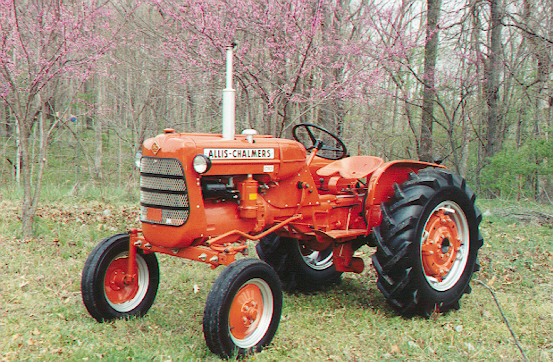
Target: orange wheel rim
x,y
445,245
117,292
246,311
439,250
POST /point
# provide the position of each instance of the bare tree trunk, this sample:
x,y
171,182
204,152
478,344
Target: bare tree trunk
x,y
493,70
97,157
429,93
31,191
26,213
18,153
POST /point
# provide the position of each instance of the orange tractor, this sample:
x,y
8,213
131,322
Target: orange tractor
x,y
309,205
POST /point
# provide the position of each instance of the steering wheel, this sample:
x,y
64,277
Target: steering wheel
x,y
309,134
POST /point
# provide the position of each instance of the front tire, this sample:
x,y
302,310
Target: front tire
x,y
104,295
427,243
243,309
298,267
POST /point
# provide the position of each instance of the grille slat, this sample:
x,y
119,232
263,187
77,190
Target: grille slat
x,y
163,192
161,166
160,183
167,200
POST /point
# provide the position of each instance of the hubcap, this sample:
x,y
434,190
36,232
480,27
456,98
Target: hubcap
x,y
121,295
250,313
318,260
445,245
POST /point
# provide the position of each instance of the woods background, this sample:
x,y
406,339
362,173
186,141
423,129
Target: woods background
x,y
83,83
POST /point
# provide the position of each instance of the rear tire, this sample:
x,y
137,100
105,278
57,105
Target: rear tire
x,y
243,309
427,243
104,296
298,267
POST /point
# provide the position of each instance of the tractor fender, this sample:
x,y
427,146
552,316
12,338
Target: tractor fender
x,y
381,186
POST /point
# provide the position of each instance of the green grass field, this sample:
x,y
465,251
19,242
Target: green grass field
x,y
42,316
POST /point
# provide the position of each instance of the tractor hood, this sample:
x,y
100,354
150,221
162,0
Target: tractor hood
x,y
261,154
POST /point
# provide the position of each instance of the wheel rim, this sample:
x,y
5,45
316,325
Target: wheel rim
x,y
122,297
317,260
251,313
445,245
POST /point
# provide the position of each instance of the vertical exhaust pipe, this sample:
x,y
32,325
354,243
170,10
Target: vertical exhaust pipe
x,y
229,95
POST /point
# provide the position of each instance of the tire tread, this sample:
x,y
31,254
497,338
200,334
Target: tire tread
x,y
222,291
396,234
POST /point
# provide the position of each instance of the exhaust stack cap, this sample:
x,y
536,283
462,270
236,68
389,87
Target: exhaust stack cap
x,y
229,96
249,134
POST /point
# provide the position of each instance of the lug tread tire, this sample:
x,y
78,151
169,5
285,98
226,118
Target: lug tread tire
x,y
92,281
397,258
219,300
284,256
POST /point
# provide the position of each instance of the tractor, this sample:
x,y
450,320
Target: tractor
x,y
308,204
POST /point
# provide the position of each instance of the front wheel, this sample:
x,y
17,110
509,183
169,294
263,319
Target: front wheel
x,y
243,308
106,295
427,243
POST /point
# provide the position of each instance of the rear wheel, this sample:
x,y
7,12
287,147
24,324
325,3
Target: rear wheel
x,y
243,309
298,266
106,295
427,243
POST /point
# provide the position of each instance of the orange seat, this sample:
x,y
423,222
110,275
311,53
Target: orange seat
x,y
355,167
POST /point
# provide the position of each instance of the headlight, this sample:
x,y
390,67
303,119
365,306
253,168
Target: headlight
x,y
201,163
137,159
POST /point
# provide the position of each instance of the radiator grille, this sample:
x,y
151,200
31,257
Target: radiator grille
x,y
161,166
163,192
163,200
158,183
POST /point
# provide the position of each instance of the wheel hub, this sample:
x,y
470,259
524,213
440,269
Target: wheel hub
x,y
245,311
117,286
440,245
445,245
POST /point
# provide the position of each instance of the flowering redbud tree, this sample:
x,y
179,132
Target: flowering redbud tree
x,y
44,46
292,55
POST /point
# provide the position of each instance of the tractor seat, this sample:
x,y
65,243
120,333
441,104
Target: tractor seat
x,y
355,167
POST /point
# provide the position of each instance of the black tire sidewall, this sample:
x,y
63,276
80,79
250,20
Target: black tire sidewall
x,y
251,269
451,295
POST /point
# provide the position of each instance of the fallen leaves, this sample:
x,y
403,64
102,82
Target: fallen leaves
x,y
90,213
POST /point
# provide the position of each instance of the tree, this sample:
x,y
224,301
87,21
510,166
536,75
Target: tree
x,y
430,55
47,50
493,67
287,55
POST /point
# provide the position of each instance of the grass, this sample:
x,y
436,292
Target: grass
x,y
42,316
